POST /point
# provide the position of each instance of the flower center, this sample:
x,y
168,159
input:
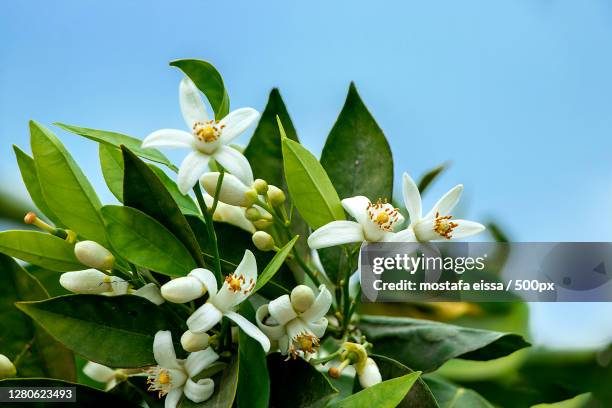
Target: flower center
x,y
443,226
303,343
207,132
237,283
159,380
383,214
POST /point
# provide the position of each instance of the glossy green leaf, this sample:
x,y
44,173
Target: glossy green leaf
x,y
295,383
145,242
27,167
118,139
85,396
114,331
274,265
453,396
208,80
42,356
185,202
430,176
356,155
387,394
111,163
40,248
419,396
309,186
49,279
426,345
253,378
65,188
226,384
142,189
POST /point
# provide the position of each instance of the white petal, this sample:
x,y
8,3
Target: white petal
x,y
232,215
250,330
226,299
406,235
183,289
163,350
98,372
281,310
274,332
412,198
200,391
151,292
234,162
172,138
204,318
318,327
424,231
193,342
247,268
283,344
233,191
173,397
207,278
192,167
336,233
320,307
466,229
86,281
448,201
192,107
198,361
357,207
369,375
237,122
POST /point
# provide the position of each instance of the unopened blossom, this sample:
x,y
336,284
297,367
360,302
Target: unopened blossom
x,y
194,341
207,138
221,301
230,214
107,375
7,368
172,377
92,281
233,191
438,223
366,368
373,222
94,255
296,322
263,241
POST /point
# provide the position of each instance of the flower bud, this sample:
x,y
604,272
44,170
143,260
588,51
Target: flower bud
x,y
94,255
184,289
302,297
193,342
232,191
98,372
276,196
368,373
263,241
252,214
261,186
7,368
89,281
151,292
262,224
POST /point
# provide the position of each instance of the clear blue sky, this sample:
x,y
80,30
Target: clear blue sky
x,y
517,94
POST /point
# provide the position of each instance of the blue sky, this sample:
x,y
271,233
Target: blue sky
x,y
516,94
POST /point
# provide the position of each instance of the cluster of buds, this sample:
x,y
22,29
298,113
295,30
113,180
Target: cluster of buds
x,y
356,355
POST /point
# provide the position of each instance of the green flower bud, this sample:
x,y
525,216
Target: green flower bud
x,y
261,186
7,368
252,214
302,297
263,241
276,196
262,224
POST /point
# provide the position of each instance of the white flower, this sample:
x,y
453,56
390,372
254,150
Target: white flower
x,y
233,191
437,224
230,214
7,368
366,368
235,289
368,373
94,255
92,281
296,329
373,222
208,139
150,291
103,374
173,377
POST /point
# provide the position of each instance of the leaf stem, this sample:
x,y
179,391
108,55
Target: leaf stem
x,y
210,228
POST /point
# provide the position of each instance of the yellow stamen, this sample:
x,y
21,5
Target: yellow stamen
x,y
383,214
207,132
444,227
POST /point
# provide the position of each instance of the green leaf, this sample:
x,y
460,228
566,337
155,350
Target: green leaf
x,y
387,394
274,265
85,396
185,202
27,167
452,396
42,356
142,189
430,176
356,155
426,345
111,163
145,242
66,190
118,139
208,80
225,390
309,186
253,377
296,383
113,331
49,279
420,395
40,248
